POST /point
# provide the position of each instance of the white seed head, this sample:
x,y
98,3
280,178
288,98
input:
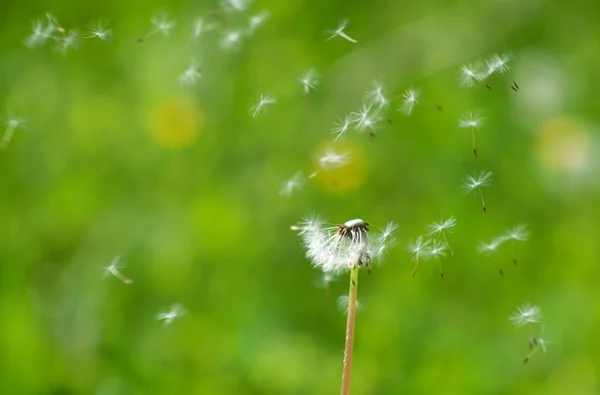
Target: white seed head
x,y
99,30
518,233
340,32
175,310
437,249
497,64
469,74
70,40
471,120
375,97
296,183
409,100
340,128
190,75
309,81
262,103
332,159
257,19
491,246
366,118
339,248
113,270
162,23
437,228
198,27
41,32
419,248
482,180
231,39
324,280
527,314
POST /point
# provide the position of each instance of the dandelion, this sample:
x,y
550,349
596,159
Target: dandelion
x,y
231,39
409,100
11,125
198,27
345,247
340,128
256,20
340,32
497,64
437,250
175,310
162,24
441,228
517,233
264,101
113,269
375,96
331,159
419,250
366,119
476,182
41,33
99,31
526,314
67,41
190,75
536,343
472,122
343,304
296,183
469,74
309,81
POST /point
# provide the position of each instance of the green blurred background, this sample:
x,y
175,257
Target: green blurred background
x,y
118,159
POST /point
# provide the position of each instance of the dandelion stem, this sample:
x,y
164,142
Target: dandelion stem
x,y
348,351
446,240
482,201
415,268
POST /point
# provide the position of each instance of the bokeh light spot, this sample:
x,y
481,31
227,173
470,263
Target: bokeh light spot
x,y
176,122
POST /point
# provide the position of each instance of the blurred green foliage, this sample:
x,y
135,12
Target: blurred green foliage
x,y
119,159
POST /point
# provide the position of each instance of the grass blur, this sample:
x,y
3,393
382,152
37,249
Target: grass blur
x,y
119,159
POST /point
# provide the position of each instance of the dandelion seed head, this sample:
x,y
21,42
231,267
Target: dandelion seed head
x,y
526,314
482,180
162,23
469,74
309,81
437,249
409,100
491,246
332,159
375,96
443,226
470,120
257,19
340,128
419,248
518,233
497,64
40,32
339,248
198,27
100,31
296,183
190,75
263,102
340,32
231,39
175,310
366,118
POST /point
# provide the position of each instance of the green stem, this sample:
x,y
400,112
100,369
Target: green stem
x,y
347,372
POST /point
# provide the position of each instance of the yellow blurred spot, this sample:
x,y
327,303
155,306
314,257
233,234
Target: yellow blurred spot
x,y
176,122
342,177
574,376
564,146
